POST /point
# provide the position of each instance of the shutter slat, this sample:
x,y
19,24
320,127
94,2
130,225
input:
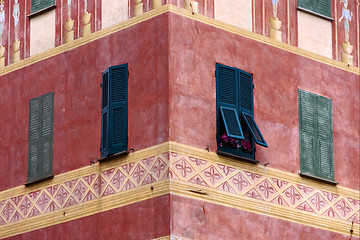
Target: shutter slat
x,y
307,153
34,122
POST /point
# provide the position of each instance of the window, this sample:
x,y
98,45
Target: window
x,y
40,149
38,5
237,130
322,7
114,114
316,135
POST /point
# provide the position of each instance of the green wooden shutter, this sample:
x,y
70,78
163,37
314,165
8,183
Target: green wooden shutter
x,y
322,7
37,5
246,92
315,131
117,138
40,150
325,140
105,113
231,122
227,97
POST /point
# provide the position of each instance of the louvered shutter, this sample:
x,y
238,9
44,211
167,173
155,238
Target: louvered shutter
x,y
118,108
325,138
246,92
105,113
40,149
227,82
307,117
322,7
37,5
316,140
247,106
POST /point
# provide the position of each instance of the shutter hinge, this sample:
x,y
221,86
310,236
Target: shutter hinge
x,y
253,86
101,85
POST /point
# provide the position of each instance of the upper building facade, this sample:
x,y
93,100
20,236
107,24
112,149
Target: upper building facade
x,y
179,119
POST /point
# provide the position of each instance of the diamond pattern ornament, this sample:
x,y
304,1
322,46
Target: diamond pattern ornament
x,y
253,177
266,189
138,174
2,222
118,180
305,190
330,196
16,200
292,195
128,167
343,208
51,190
25,206
71,184
61,196
8,211
212,175
279,183
147,162
183,168
148,180
159,168
108,191
99,185
89,179
79,191
71,201
354,218
43,201
318,202
240,182
34,195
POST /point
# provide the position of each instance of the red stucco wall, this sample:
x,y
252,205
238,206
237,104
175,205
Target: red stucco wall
x,y
75,78
194,219
143,220
197,47
172,96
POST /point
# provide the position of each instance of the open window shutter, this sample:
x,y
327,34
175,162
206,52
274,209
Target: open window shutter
x,y
118,124
105,113
37,5
231,122
246,92
227,86
323,7
254,129
227,82
307,131
325,140
47,133
34,139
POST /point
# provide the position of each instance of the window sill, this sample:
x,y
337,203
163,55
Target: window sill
x,y
237,157
315,13
116,155
41,11
38,180
331,182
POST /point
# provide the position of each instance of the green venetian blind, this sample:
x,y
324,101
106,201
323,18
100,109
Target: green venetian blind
x,y
322,7
114,128
316,135
40,149
38,5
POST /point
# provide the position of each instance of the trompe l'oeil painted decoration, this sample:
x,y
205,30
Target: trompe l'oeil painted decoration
x,y
275,23
16,43
86,29
69,24
346,16
2,24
